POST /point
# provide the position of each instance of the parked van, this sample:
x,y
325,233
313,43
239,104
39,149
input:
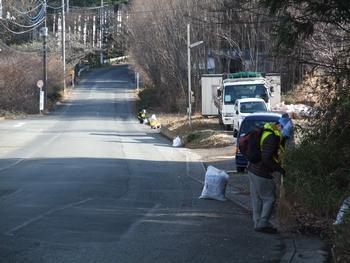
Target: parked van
x,y
245,107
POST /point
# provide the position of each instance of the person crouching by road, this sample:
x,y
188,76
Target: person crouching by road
x,y
262,184
141,115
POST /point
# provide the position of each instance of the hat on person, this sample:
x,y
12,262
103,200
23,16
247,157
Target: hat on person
x,y
287,126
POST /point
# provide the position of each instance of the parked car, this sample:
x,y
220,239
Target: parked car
x,y
251,122
244,107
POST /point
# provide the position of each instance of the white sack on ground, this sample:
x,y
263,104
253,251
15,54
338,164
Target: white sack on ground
x,y
344,209
153,117
214,184
177,142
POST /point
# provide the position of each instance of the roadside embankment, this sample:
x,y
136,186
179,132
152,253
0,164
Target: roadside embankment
x,y
202,133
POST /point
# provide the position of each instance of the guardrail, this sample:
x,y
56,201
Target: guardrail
x,y
117,59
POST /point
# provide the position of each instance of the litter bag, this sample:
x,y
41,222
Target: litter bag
x,y
177,142
214,184
344,209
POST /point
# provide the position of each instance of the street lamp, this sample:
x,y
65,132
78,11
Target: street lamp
x,y
189,46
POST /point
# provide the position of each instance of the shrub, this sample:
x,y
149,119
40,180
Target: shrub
x,y
318,170
193,136
316,177
19,74
341,234
149,98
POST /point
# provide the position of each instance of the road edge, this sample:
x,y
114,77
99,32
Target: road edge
x,y
297,248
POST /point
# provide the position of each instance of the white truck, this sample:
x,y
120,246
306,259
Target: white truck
x,y
219,92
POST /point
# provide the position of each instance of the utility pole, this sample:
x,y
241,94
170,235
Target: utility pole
x,y
0,9
67,9
46,89
64,46
189,110
93,31
101,32
44,33
189,46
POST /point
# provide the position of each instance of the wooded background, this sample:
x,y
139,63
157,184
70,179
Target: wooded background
x,y
237,35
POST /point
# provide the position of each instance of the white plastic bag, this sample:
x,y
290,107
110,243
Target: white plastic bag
x,y
214,184
177,142
153,117
344,209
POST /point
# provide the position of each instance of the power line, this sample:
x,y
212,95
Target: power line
x,y
54,7
27,26
31,19
40,14
156,11
26,12
35,21
21,32
87,8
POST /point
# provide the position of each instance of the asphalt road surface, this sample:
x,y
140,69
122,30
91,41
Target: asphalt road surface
x,y
88,183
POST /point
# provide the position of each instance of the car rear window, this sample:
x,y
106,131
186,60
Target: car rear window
x,y
250,107
249,125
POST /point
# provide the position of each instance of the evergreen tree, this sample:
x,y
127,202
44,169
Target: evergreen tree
x,y
297,18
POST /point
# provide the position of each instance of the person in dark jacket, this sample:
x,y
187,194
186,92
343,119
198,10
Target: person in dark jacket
x,y
262,184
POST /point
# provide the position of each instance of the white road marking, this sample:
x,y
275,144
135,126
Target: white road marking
x,y
20,124
188,159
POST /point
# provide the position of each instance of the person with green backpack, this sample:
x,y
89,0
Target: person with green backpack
x,y
262,184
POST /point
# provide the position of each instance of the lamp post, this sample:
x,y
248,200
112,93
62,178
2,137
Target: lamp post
x,y
189,46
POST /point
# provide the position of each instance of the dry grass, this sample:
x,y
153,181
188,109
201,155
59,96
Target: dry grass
x,y
19,74
10,115
203,132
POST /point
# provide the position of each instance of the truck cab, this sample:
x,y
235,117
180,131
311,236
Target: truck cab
x,y
241,85
245,107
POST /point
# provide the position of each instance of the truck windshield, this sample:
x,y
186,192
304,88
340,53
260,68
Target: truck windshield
x,y
234,92
254,106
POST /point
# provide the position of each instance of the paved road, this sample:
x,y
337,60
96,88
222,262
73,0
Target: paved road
x,y
89,184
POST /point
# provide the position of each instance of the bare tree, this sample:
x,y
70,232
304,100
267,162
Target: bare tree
x,y
236,36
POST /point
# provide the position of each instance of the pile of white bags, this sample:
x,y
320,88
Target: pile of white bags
x,y
215,184
294,110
